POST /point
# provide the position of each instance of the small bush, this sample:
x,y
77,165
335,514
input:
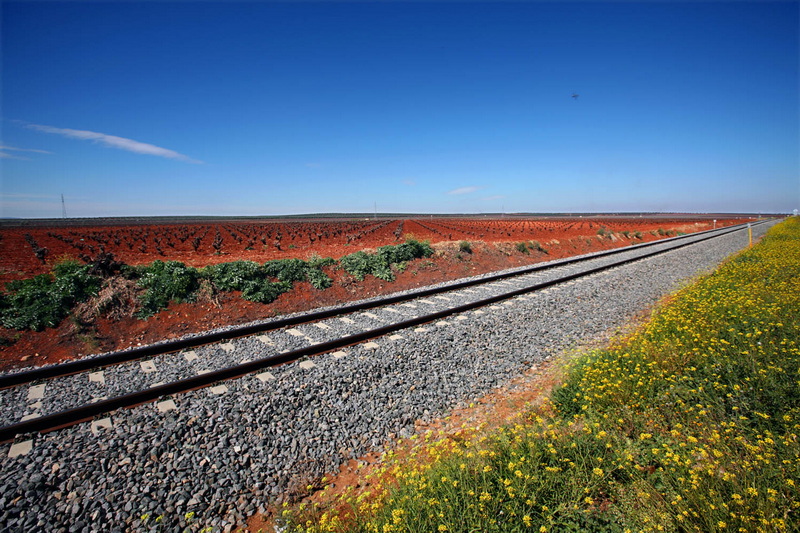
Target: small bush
x,y
292,270
406,251
44,301
522,247
264,291
358,264
235,275
289,270
319,279
383,271
465,247
166,282
248,277
535,245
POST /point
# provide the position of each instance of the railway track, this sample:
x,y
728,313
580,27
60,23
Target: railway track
x,y
66,394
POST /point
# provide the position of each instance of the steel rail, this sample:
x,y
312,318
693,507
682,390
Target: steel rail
x,y
79,414
150,350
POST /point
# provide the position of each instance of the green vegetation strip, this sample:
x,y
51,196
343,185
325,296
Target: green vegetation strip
x,y
690,424
45,300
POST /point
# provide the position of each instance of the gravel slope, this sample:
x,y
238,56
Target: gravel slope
x,y
224,456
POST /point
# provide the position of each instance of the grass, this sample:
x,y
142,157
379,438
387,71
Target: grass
x,y
689,424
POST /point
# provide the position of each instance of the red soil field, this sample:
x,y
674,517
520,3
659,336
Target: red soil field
x,y
28,250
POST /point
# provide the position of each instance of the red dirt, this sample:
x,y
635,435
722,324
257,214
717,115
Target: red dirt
x,y
493,244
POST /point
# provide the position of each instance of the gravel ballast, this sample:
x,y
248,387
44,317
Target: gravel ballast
x,y
225,456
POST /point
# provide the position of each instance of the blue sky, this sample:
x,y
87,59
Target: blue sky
x,y
260,108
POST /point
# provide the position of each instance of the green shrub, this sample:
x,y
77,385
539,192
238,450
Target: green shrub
x,y
43,301
358,264
319,279
465,247
249,278
292,270
406,251
289,270
28,304
264,291
383,271
165,282
235,275
522,247
410,250
379,264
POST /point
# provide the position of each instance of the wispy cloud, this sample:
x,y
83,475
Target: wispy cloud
x,y
4,149
4,155
14,149
115,142
410,183
463,190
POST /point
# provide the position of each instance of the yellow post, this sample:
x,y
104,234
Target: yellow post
x,y
750,234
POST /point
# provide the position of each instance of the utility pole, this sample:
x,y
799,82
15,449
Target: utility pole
x,y
63,207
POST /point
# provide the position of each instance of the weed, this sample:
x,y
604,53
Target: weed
x,y
43,301
319,279
360,264
288,270
315,261
165,282
465,247
248,277
535,245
